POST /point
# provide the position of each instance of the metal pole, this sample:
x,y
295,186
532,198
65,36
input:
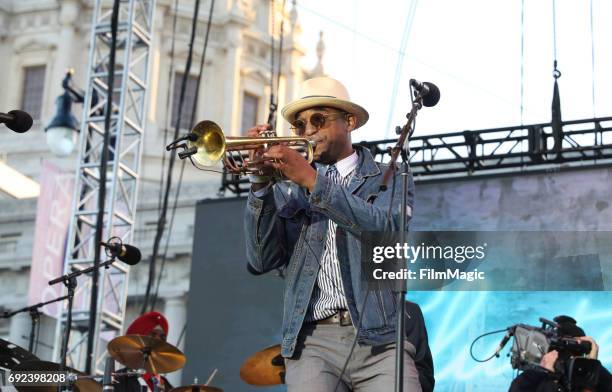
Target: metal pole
x,y
71,284
401,291
35,317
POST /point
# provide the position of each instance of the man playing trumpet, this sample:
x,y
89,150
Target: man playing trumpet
x,y
311,226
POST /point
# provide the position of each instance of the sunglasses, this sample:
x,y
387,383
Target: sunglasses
x,y
317,120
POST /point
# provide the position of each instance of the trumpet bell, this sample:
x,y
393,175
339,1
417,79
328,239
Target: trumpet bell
x,y
210,143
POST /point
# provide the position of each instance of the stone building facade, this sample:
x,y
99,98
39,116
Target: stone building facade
x,y
41,39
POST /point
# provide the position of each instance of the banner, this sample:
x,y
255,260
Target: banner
x,y
53,213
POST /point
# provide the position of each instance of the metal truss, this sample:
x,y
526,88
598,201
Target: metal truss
x,y
511,149
128,121
492,151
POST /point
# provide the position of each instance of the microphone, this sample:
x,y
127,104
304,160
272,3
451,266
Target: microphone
x,y
428,91
17,120
503,342
190,137
127,253
109,369
188,152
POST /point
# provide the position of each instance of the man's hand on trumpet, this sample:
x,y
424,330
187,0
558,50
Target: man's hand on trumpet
x,y
257,155
292,164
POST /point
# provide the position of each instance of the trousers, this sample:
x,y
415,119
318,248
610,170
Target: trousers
x,y
321,352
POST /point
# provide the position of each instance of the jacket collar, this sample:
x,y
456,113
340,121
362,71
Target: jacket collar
x,y
366,167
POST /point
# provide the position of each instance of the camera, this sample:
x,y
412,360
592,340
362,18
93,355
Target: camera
x,y
572,371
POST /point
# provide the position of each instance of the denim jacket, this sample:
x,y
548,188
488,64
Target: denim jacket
x,y
286,228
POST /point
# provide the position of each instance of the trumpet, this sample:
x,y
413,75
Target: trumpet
x,y
207,145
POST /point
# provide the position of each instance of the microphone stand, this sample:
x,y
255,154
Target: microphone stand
x,y
34,315
401,288
70,282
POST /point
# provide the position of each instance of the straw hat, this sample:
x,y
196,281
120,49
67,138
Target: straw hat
x,y
328,92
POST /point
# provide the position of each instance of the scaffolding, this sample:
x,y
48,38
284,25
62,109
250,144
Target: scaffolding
x,y
512,150
128,119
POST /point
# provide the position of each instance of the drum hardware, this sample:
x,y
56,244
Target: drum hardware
x,y
196,388
145,352
265,367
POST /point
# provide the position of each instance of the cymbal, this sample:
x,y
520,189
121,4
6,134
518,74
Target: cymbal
x,y
265,367
196,388
132,351
81,384
12,355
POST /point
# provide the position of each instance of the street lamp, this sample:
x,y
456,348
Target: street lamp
x,y
61,131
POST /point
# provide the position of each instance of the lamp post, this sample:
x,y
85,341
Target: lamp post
x,y
62,129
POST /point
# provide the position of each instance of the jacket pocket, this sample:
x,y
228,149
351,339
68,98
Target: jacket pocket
x,y
381,305
292,217
389,298
294,225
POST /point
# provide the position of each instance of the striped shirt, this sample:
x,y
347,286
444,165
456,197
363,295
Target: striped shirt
x,y
328,295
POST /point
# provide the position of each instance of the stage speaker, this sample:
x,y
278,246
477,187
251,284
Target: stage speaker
x,y
231,314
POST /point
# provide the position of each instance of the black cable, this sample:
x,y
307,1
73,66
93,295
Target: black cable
x,y
180,181
348,358
167,245
202,61
280,47
168,122
272,107
400,61
168,96
554,18
95,277
388,224
162,219
182,335
37,338
522,60
274,89
592,56
480,337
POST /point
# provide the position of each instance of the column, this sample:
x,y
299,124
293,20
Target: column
x,y
175,310
231,112
68,14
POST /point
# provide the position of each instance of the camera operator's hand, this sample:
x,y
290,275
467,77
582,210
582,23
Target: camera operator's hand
x,y
594,347
549,359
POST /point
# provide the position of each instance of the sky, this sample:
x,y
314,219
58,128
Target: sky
x,y
471,50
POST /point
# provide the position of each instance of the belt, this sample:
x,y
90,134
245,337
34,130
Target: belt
x,y
343,317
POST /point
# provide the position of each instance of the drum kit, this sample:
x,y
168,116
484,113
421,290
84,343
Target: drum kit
x,y
142,354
